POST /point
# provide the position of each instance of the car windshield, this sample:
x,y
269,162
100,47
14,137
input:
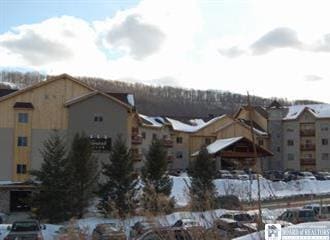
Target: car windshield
x,y
306,214
25,227
307,174
242,217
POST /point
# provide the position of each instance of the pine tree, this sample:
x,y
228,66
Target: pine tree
x,y
82,166
202,189
157,183
52,201
118,189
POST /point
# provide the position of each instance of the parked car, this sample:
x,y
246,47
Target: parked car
x,y
187,223
108,231
321,175
226,228
238,216
70,232
240,174
298,215
170,234
290,175
274,175
141,227
29,229
306,175
224,174
321,212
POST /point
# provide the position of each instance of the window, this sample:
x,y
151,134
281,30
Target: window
x,y
260,142
290,142
154,136
179,155
179,140
325,156
143,135
290,130
98,118
208,141
278,149
324,127
23,117
21,168
324,141
290,156
22,141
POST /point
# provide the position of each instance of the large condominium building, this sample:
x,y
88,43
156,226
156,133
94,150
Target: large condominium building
x,y
29,116
300,136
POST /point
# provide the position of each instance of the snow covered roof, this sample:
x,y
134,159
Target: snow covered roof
x,y
197,122
153,121
183,127
318,110
219,144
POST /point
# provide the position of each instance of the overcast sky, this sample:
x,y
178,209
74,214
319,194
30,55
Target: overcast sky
x,y
277,48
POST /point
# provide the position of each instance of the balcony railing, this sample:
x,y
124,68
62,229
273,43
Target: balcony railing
x,y
307,161
307,147
307,132
136,139
168,143
137,157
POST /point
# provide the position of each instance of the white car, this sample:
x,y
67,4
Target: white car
x,y
306,175
240,174
187,223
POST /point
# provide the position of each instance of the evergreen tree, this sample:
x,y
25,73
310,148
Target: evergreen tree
x,y
52,201
157,183
82,166
202,189
118,189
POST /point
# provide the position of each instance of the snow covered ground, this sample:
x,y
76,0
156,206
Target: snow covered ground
x,y
246,189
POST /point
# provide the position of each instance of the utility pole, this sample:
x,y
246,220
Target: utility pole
x,y
257,164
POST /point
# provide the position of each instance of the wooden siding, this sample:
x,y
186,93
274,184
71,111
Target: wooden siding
x,y
48,101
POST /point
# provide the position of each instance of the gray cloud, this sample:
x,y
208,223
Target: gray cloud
x,y
312,78
276,38
232,52
37,50
142,39
323,45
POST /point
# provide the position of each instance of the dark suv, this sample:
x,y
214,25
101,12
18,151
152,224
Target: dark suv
x,y
27,230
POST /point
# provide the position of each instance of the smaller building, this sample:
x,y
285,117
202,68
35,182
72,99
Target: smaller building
x,y
236,153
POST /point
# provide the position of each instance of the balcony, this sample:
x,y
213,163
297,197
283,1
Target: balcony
x,y
307,147
307,132
168,143
170,159
137,157
307,161
136,139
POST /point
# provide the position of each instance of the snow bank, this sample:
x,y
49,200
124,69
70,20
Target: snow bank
x,y
246,190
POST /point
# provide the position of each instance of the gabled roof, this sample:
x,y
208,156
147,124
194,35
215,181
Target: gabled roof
x,y
258,109
317,110
236,121
91,94
49,80
222,144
